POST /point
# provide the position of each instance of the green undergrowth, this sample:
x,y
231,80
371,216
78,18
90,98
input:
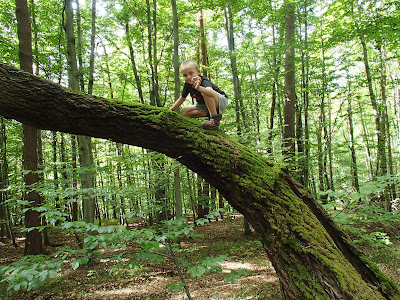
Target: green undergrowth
x,y
119,254
375,231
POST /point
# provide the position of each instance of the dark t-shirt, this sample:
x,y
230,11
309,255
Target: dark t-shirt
x,y
195,94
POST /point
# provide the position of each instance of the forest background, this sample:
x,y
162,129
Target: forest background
x,y
314,85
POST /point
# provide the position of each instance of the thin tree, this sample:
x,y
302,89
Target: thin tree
x,y
133,63
177,83
33,241
237,94
5,224
354,168
84,142
290,93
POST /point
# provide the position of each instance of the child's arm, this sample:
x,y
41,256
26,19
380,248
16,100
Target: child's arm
x,y
207,91
178,103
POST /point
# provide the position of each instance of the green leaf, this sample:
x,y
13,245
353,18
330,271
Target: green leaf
x,y
235,275
43,275
176,286
197,271
75,264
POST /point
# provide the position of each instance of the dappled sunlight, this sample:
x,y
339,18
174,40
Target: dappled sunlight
x,y
228,266
140,288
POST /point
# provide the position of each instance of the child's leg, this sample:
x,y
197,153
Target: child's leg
x,y
193,112
212,103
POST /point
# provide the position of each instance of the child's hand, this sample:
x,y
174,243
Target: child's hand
x,y
196,81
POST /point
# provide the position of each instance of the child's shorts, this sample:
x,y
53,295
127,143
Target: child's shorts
x,y
223,104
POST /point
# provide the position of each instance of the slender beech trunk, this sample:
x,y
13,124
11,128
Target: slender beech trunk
x,y
122,218
5,223
354,169
329,146
305,65
133,62
385,122
276,99
79,34
204,56
382,167
177,81
381,138
33,241
152,52
239,108
322,134
290,93
74,180
313,258
92,49
366,142
84,142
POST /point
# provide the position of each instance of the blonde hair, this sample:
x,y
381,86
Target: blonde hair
x,y
188,62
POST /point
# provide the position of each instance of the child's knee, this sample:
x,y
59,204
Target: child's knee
x,y
185,111
214,98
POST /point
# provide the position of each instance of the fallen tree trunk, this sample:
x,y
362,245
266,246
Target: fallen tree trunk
x,y
313,258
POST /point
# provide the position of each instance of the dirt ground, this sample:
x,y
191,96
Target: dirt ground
x,y
106,280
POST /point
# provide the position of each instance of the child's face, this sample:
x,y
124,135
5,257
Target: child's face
x,y
189,72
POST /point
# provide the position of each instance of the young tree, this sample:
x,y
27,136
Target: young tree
x,y
177,84
84,142
33,242
5,224
290,93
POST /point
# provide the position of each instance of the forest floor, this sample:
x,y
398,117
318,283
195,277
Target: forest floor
x,y
107,280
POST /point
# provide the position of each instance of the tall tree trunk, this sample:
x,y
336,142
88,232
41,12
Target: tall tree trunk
x,y
92,48
305,65
133,62
6,228
239,108
80,58
322,134
33,241
381,138
311,255
354,169
276,99
290,93
122,217
385,122
366,142
256,110
152,52
74,180
84,142
204,56
177,84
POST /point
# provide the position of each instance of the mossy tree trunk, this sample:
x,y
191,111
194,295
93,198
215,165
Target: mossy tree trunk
x,y
312,256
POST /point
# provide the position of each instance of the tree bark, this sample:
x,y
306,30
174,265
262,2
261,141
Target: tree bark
x,y
239,108
133,62
204,56
5,224
311,255
33,241
354,168
84,142
290,93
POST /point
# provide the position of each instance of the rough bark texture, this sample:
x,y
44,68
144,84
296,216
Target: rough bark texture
x,y
33,241
312,257
290,92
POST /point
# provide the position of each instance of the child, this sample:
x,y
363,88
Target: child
x,y
211,101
